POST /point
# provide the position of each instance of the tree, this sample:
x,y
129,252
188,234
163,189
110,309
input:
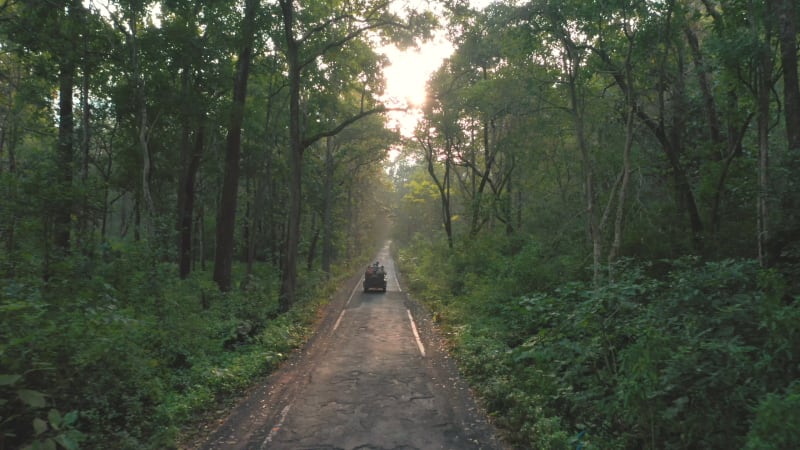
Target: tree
x,y
362,146
313,33
788,233
226,218
59,47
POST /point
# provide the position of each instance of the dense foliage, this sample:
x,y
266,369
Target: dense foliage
x,y
121,351
671,354
601,205
180,182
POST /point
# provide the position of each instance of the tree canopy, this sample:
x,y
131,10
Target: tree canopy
x,y
600,203
612,186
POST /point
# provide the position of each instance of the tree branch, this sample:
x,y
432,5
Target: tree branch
x,y
347,38
307,142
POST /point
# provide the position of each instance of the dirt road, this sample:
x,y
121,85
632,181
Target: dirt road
x,y
375,376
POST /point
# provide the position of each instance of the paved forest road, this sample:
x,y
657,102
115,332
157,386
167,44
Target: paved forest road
x,y
371,378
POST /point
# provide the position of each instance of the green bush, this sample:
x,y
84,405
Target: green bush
x,y
674,354
115,351
776,421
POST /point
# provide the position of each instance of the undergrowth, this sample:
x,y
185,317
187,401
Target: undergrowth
x,y
122,354
672,354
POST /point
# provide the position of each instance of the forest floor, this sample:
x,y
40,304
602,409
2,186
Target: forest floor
x,y
375,375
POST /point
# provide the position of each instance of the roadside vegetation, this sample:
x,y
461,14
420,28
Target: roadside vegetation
x,y
600,207
182,185
124,352
669,354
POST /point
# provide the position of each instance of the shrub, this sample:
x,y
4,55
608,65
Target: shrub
x,y
776,422
671,354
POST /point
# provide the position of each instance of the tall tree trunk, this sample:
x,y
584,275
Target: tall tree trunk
x,y
787,14
254,224
788,231
296,149
446,200
226,219
443,184
763,181
592,225
763,89
704,81
185,156
298,143
84,214
626,152
312,247
2,142
65,157
9,146
142,116
200,236
327,207
478,193
623,190
186,207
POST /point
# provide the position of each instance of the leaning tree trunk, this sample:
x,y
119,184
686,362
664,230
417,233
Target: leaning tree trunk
x,y
447,214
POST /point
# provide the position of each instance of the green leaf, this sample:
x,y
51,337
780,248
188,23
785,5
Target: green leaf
x,y
8,380
70,418
67,442
31,398
39,426
54,417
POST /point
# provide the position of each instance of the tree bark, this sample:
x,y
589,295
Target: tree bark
x,y
327,207
763,89
593,228
787,232
443,185
83,234
289,274
186,210
226,218
65,156
298,142
616,243
787,14
312,247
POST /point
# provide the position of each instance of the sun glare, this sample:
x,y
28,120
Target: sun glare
x,y
406,78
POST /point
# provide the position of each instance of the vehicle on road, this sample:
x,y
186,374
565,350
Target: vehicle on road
x,y
375,277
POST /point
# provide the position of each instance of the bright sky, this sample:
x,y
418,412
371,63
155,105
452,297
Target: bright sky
x,y
406,78
410,70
